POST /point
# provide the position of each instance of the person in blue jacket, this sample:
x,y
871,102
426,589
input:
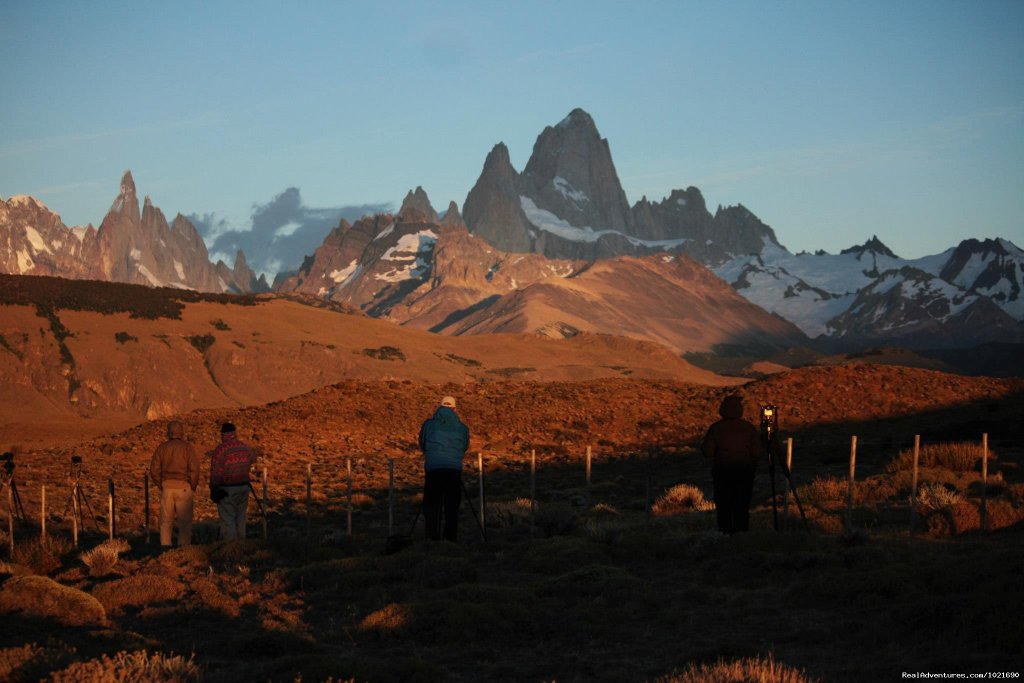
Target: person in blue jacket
x,y
444,439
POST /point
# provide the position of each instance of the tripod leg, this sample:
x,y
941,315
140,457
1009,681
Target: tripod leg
x,y
85,504
483,534
19,508
796,496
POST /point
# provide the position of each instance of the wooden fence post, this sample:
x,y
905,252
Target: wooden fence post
x,y
42,513
533,490
788,482
984,482
483,519
145,488
391,496
849,496
10,514
110,508
348,466
913,484
647,490
265,509
309,500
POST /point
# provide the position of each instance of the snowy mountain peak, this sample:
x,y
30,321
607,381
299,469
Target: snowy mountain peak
x,y
872,246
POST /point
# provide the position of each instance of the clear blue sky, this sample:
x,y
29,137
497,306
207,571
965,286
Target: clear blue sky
x,y
831,121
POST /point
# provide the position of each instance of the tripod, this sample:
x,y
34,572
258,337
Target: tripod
x,y
469,504
7,479
769,428
77,500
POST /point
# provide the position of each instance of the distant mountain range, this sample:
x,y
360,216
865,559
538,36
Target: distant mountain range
x,y
557,249
130,246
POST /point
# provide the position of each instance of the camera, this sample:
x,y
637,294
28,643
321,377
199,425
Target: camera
x,y
769,420
76,460
8,462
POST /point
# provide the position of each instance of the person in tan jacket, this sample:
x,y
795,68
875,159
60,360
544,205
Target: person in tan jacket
x,y
175,469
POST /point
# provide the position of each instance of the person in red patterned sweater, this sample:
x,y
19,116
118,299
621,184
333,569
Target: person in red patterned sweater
x,y
229,482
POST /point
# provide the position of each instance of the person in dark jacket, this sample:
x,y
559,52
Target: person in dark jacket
x,y
734,446
444,439
230,463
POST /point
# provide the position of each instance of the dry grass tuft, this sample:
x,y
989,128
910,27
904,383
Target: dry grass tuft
x,y
825,491
130,667
102,559
31,662
956,457
393,618
43,555
42,597
932,496
680,499
137,590
750,670
509,513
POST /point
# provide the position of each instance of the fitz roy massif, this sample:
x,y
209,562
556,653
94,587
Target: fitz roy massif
x,y
557,249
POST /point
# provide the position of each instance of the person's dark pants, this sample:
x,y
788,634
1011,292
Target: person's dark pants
x,y
443,488
734,487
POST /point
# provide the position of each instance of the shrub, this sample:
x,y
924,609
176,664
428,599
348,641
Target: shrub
x,y
45,598
102,559
124,337
508,513
32,662
220,324
137,590
825,490
130,667
679,499
933,496
393,618
765,670
201,342
957,457
385,353
43,555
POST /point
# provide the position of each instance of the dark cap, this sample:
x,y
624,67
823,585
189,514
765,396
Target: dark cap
x,y
227,428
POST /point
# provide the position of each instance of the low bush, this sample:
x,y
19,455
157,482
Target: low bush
x,y
824,491
43,556
102,559
43,597
130,667
138,590
680,499
761,670
957,457
31,662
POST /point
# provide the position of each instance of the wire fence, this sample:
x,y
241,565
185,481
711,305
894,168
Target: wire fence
x,y
79,515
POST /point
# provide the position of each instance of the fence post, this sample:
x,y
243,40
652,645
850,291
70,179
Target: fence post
x,y
265,503
348,466
483,519
913,484
788,482
309,500
984,482
110,508
10,514
145,487
533,490
647,488
42,513
588,475
391,496
76,511
849,495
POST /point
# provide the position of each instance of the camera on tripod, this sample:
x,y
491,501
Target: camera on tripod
x,y
769,421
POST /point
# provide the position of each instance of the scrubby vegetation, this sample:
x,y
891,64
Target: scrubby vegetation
x,y
385,353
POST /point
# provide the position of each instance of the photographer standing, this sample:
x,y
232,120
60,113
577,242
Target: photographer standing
x,y
230,463
175,469
444,439
734,446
